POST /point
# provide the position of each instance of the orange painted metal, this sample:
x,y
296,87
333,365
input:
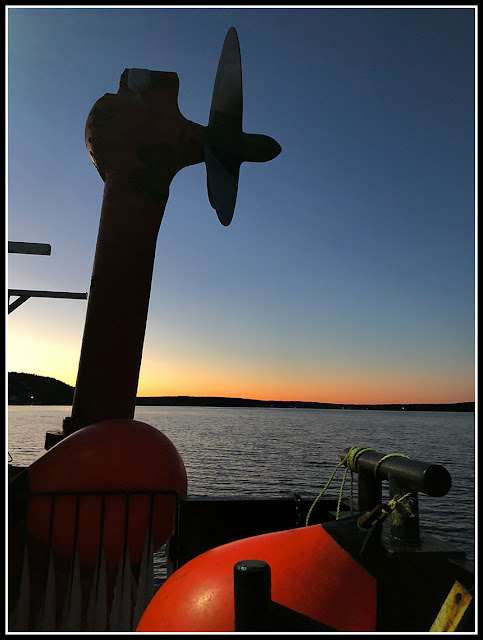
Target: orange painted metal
x,y
114,455
311,574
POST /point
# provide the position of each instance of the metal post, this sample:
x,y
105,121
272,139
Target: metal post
x,y
252,587
369,493
138,140
405,517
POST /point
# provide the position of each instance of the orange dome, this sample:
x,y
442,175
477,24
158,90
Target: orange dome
x,y
112,455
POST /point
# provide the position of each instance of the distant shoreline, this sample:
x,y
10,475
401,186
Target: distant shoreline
x,y
195,401
30,389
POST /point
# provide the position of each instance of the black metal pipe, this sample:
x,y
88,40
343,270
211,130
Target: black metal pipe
x,y
252,588
135,492
369,491
414,475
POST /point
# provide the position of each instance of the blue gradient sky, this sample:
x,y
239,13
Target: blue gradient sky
x,y
348,272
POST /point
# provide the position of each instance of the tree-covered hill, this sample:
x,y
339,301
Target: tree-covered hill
x,y
28,388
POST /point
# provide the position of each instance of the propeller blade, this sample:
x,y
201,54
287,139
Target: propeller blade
x,y
222,185
225,116
225,146
227,100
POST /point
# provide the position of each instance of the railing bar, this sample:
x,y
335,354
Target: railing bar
x,y
54,506
101,535
151,516
24,555
145,583
49,559
177,513
68,597
76,526
105,493
176,526
97,571
51,522
117,619
42,615
74,547
126,530
20,612
47,619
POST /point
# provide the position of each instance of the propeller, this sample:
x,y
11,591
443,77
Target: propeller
x,y
225,145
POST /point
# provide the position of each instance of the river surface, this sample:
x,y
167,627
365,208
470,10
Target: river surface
x,y
268,452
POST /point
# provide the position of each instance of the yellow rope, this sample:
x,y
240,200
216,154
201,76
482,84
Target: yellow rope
x,y
392,504
389,455
323,491
353,455
340,493
350,461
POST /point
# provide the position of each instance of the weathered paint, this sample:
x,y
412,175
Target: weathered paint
x,y
453,609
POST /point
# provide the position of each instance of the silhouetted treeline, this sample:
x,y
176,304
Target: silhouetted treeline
x,y
207,401
28,388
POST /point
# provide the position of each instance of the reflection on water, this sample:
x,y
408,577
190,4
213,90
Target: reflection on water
x,y
273,452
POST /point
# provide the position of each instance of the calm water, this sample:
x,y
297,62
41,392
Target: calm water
x,y
273,452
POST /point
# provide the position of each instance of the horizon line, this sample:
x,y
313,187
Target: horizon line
x,y
348,404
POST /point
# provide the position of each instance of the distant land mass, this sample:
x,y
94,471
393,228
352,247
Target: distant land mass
x,y
29,388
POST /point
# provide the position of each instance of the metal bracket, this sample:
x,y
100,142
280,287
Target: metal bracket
x,y
32,248
25,294
37,249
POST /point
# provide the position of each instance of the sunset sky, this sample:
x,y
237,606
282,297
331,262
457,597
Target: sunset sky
x,y
348,272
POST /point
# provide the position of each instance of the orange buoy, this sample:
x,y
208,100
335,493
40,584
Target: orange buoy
x,y
311,574
112,455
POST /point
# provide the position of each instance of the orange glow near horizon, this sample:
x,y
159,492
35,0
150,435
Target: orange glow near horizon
x,y
338,391
373,389
57,359
183,374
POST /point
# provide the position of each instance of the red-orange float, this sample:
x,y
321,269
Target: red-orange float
x,y
311,573
112,455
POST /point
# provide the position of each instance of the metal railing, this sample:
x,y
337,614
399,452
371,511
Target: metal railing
x,y
83,561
